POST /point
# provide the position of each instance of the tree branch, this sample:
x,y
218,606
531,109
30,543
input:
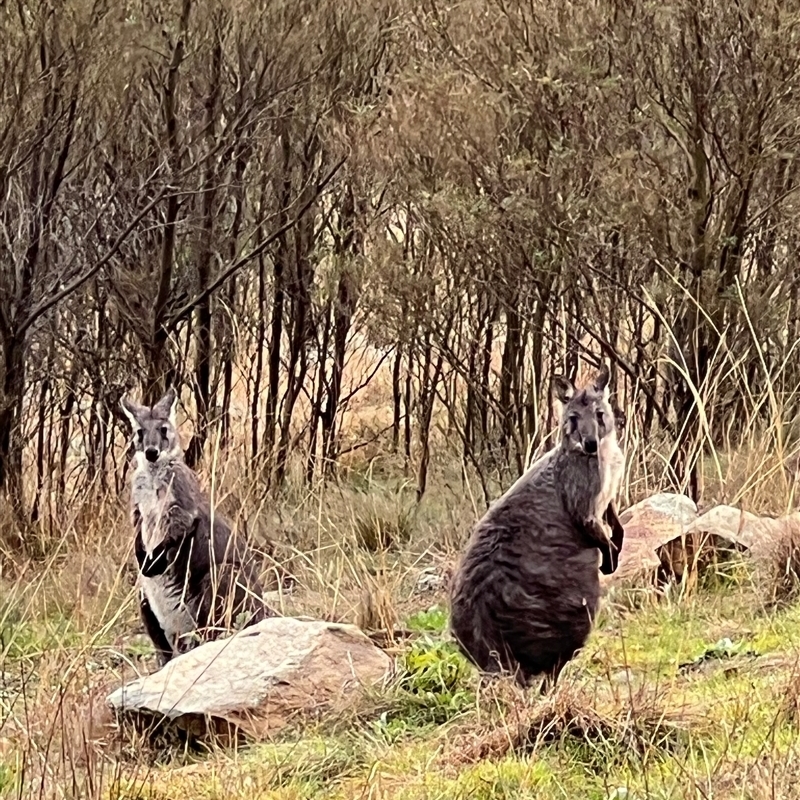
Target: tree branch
x,y
47,303
187,308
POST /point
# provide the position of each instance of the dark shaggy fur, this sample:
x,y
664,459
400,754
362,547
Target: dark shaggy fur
x,y
527,591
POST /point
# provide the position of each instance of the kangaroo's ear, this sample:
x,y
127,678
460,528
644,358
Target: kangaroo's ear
x,y
167,406
133,412
563,388
600,383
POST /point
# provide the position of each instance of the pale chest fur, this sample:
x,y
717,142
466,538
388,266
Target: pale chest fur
x,y
611,462
152,497
166,598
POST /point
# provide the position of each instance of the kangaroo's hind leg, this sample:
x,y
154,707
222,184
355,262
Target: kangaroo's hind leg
x,y
551,677
156,633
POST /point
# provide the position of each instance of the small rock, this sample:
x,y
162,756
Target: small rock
x,y
277,599
258,679
723,650
429,580
620,793
623,677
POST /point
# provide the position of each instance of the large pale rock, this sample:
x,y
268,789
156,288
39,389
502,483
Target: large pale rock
x,y
649,525
664,534
259,679
759,535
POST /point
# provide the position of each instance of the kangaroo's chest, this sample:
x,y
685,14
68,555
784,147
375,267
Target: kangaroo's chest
x,y
167,600
611,462
153,500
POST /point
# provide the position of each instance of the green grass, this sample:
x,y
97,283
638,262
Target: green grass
x,y
23,640
673,698
8,779
723,729
433,620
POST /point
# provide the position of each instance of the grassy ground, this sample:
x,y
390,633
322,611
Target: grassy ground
x,y
674,697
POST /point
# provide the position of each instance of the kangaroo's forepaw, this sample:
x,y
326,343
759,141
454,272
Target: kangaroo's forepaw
x,y
596,530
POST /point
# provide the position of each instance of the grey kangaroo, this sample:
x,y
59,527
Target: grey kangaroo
x,y
195,579
525,595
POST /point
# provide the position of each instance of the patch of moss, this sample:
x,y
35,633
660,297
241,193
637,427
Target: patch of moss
x,y
431,620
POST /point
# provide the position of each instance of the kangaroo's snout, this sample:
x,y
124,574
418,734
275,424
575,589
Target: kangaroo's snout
x,y
590,446
151,454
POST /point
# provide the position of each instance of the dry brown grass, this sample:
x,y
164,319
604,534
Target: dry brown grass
x,y
353,550
602,715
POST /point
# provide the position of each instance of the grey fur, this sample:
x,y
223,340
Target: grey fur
x,y
196,578
526,593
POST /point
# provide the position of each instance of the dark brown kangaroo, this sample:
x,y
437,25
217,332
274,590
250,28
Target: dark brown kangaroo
x,y
526,593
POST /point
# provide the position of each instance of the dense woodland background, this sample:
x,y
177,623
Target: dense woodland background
x,y
382,226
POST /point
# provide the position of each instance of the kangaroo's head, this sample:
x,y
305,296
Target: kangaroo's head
x,y
587,417
155,436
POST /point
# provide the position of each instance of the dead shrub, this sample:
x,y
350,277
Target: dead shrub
x,y
639,724
604,724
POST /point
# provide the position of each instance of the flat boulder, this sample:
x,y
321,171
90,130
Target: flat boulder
x,y
258,680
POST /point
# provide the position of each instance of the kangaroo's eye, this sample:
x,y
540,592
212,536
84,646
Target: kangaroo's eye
x,y
140,435
164,431
601,417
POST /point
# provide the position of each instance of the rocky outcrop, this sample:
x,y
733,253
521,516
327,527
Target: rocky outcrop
x,y
665,536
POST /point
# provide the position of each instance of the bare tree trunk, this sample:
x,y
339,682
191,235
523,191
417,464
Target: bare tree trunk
x,y
510,400
408,401
297,357
261,334
304,236
485,390
397,397
281,265
227,372
428,384
159,371
538,323
11,410
347,297
316,412
202,381
40,447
